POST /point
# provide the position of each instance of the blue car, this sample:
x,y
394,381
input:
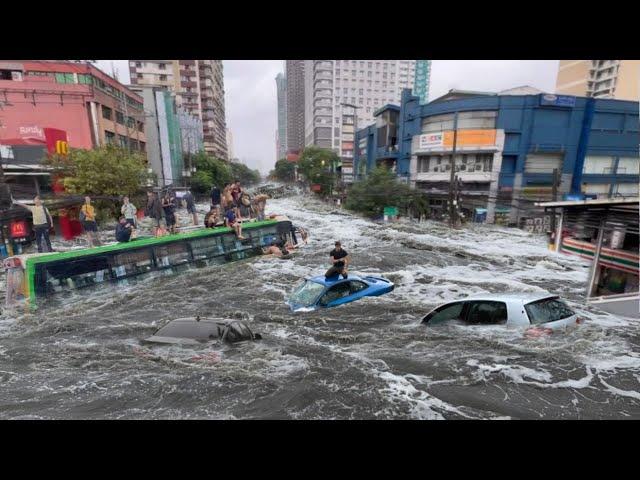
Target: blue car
x,y
319,292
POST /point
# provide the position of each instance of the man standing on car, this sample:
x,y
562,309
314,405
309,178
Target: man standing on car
x,y
340,260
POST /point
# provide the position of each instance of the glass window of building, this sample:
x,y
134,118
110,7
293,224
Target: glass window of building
x,y
598,164
629,165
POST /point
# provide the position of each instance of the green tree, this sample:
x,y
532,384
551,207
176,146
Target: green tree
x,y
283,171
381,189
209,171
318,166
243,173
106,171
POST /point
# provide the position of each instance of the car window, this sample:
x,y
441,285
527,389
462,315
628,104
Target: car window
x,y
487,313
356,286
336,292
451,311
307,293
547,310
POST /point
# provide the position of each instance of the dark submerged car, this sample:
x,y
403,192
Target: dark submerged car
x,y
193,331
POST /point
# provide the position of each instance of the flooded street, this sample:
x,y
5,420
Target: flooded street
x,y
371,359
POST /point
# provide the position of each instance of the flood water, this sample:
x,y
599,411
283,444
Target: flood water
x,y
370,359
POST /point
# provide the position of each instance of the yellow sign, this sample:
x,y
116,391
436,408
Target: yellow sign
x,y
468,138
62,147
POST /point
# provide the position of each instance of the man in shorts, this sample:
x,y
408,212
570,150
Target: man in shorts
x,y
191,206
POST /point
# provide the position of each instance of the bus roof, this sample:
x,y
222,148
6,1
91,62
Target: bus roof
x,y
142,242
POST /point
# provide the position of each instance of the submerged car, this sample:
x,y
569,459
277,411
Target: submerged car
x,y
320,292
541,312
193,331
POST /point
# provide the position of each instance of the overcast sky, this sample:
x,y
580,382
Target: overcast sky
x,y
251,104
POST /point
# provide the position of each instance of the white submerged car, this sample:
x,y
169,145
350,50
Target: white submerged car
x,y
543,313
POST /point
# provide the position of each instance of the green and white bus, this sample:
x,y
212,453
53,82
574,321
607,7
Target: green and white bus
x,y
40,275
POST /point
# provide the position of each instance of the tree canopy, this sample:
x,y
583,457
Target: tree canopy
x,y
381,189
213,171
318,165
284,171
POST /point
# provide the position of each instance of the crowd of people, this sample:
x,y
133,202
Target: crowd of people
x,y
229,207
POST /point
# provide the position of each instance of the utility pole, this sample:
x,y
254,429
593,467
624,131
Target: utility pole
x,y
452,207
554,195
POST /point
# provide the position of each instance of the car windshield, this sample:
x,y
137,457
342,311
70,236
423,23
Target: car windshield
x,y
547,310
191,329
307,293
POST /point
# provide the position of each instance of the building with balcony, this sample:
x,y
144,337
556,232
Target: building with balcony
x,y
198,86
619,79
508,146
44,103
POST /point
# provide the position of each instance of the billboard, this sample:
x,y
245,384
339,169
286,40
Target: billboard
x,y
465,138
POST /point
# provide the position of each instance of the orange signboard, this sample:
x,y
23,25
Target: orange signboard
x,y
468,138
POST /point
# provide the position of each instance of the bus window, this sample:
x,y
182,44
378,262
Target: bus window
x,y
206,247
172,254
73,274
132,263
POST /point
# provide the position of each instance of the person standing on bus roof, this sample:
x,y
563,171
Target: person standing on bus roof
x,y
191,206
216,196
169,207
88,219
129,211
154,209
42,222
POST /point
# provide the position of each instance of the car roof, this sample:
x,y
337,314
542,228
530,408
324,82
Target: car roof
x,y
333,280
518,297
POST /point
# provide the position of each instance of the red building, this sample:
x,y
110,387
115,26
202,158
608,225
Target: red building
x,y
49,105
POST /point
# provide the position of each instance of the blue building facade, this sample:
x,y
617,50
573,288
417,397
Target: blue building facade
x,y
508,147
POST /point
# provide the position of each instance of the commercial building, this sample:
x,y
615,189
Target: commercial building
x,y
508,146
619,79
49,106
422,80
281,87
294,99
199,89
164,136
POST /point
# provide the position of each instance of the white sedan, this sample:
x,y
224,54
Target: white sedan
x,y
543,312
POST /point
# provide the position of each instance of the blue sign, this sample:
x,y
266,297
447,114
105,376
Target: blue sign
x,y
572,197
557,100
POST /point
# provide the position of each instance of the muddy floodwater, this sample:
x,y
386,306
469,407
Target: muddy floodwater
x,y
371,359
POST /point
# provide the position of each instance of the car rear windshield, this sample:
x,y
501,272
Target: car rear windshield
x,y
547,310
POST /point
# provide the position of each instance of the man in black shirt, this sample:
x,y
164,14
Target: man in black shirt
x,y
123,230
340,260
215,196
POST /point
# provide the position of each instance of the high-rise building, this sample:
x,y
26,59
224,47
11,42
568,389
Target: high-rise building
x,y
281,86
294,73
199,89
618,79
422,80
342,96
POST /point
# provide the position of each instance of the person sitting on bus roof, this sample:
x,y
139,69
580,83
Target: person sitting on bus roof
x,y
212,218
231,219
123,230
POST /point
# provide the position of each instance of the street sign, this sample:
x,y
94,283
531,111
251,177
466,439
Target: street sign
x,y
391,211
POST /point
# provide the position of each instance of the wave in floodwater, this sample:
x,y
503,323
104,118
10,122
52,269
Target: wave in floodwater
x,y
82,357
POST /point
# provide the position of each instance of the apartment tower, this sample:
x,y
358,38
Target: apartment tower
x,y
199,89
618,79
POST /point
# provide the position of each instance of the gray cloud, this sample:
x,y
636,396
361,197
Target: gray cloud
x,y
251,102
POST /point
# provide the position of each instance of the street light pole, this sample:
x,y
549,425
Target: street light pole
x,y
452,207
